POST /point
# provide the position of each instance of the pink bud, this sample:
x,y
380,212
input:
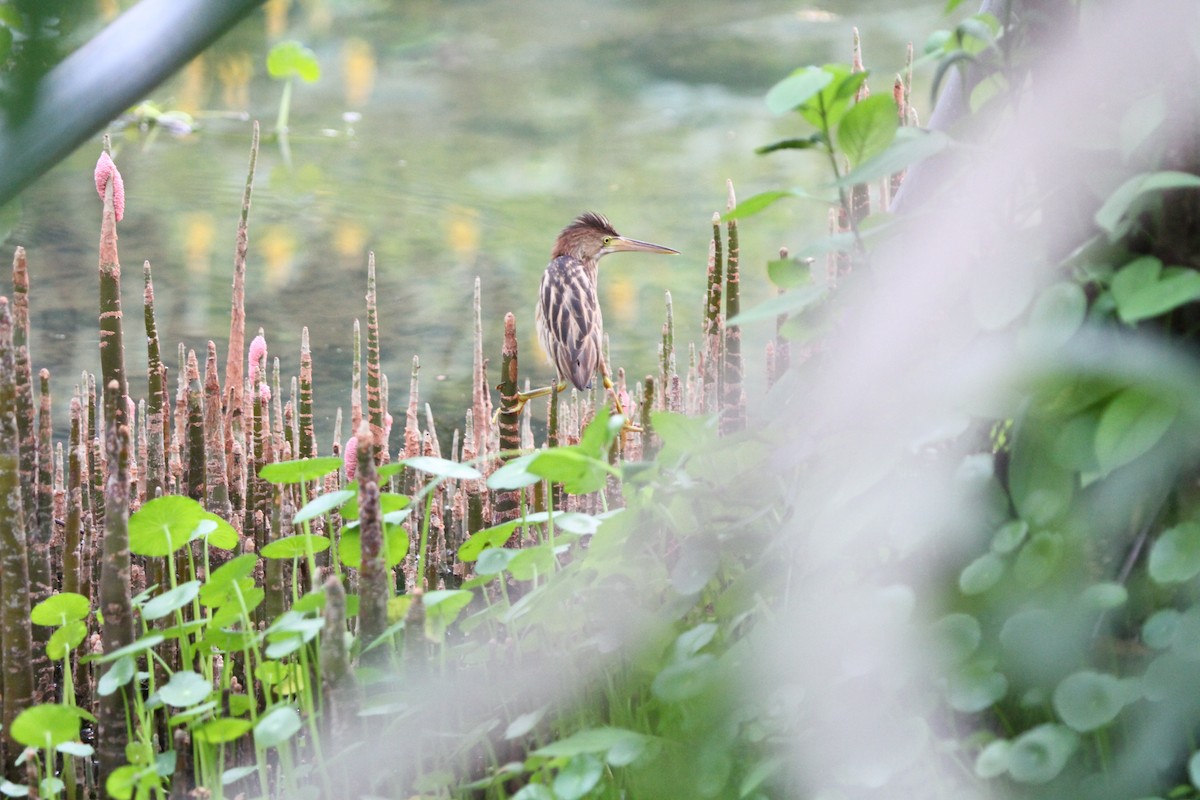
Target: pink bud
x,y
351,457
106,169
264,391
387,426
258,355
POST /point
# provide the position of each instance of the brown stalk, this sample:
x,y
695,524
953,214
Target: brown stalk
x,y
733,405
373,580
16,639
508,502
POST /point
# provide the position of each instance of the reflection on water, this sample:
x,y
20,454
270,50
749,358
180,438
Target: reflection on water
x,y
453,139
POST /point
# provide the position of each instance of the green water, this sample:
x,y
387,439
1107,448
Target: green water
x,y
454,140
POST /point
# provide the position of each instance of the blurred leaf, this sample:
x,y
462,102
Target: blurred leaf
x,y
495,536
681,680
217,588
591,740
276,726
1175,556
1105,596
444,468
1132,424
578,777
975,686
797,88
59,609
395,539
1122,207
868,128
171,600
514,474
957,637
1158,631
1041,489
1142,289
1039,755
116,676
48,725
185,689
578,472
791,302
1087,700
787,273
981,574
292,58
322,504
531,562
992,761
909,146
221,730
1009,536
494,560
1038,559
808,142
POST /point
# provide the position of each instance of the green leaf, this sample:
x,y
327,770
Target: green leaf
x,y
163,525
185,689
1142,289
578,472
534,791
494,560
303,469
66,639
992,761
221,730
791,302
1041,488
59,609
276,726
957,637
442,607
788,273
444,468
171,600
975,686
295,546
868,128
1122,207
756,203
514,475
1175,556
578,777
1088,700
48,725
1009,536
216,532
1134,421
219,586
118,675
681,680
1057,314
235,774
1159,630
807,143
285,60
132,649
531,562
395,539
797,89
1038,559
1104,596
1039,755
322,504
828,106
909,146
981,574
495,536
591,740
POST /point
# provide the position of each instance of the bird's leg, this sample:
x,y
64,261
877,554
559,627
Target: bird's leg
x,y
525,397
608,385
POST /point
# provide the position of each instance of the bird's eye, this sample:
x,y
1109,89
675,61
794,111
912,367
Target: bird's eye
x,y
607,241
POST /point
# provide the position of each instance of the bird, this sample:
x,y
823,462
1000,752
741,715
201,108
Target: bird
x,y
569,323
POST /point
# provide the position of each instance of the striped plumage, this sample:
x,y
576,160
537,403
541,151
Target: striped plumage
x,y
570,325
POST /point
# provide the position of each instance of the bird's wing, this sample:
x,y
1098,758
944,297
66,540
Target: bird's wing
x,y
571,324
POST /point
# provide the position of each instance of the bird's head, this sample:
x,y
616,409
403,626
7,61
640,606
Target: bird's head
x,y
591,237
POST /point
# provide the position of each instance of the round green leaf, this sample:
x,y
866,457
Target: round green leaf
x,y
304,469
531,562
171,600
235,774
1088,700
118,675
163,525
48,725
322,504
1158,631
444,468
868,128
395,538
494,560
59,609
218,587
1039,755
276,726
533,791
1009,536
514,474
285,60
957,637
992,761
295,546
221,730
488,537
684,679
578,777
217,532
981,574
1105,596
975,686
1038,559
1175,556
66,639
185,689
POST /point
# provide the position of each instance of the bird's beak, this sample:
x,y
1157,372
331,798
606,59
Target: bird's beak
x,y
621,244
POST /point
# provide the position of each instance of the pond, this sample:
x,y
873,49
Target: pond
x,y
454,140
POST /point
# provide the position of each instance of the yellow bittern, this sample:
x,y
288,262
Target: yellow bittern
x,y
569,324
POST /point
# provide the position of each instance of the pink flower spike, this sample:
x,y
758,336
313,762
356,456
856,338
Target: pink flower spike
x,y
264,392
106,169
351,457
258,355
387,426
